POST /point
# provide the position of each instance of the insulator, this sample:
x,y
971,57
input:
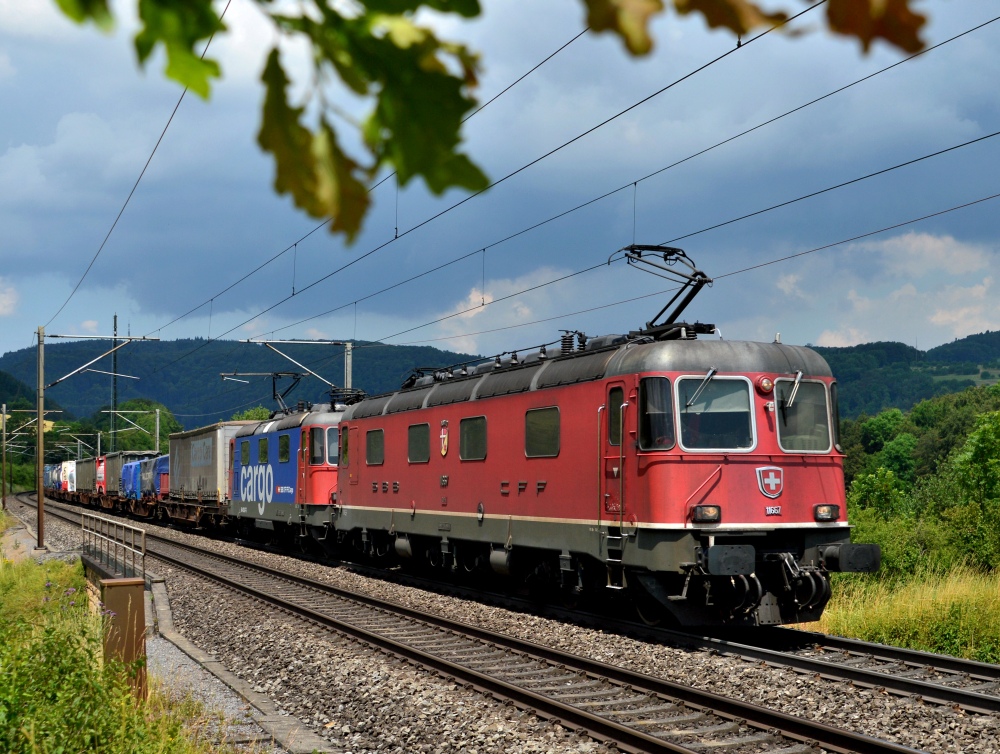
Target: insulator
x,y
542,353
496,362
566,343
513,358
581,341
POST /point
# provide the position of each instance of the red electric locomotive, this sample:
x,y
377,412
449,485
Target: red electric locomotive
x,y
702,477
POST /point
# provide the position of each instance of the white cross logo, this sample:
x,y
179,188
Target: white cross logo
x,y
770,480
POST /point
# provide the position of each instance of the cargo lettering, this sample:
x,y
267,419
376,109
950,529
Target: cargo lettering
x,y
201,452
257,483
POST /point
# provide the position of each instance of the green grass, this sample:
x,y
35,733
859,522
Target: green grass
x,y
955,613
57,695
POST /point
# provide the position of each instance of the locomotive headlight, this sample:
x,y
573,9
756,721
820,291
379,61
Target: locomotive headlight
x,y
707,514
826,512
765,385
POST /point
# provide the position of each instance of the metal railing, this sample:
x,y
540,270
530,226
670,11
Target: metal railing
x,y
120,547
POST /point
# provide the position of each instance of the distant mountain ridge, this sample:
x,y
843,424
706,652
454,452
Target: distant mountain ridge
x,y
184,375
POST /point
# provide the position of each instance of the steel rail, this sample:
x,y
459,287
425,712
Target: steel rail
x,y
873,679
829,737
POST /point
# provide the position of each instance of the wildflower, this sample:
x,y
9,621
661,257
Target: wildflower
x,y
48,584
70,591
72,602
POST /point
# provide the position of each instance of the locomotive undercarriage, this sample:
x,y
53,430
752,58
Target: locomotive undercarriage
x,y
685,577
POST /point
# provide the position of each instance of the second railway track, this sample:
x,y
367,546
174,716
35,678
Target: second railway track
x,y
636,712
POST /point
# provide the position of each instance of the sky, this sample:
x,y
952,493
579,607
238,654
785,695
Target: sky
x,y
79,119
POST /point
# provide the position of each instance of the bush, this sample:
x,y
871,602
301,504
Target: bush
x,y
56,694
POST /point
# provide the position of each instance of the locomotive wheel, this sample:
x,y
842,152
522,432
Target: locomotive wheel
x,y
649,609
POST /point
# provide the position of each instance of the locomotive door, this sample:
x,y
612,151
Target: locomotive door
x,y
303,460
614,452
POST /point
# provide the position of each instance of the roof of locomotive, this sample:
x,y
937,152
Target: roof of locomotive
x,y
690,356
725,355
319,414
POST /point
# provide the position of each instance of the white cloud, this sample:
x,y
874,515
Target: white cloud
x,y
848,336
915,254
789,285
33,18
8,298
89,326
87,154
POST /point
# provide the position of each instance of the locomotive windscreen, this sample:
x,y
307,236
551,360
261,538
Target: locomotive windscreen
x,y
719,417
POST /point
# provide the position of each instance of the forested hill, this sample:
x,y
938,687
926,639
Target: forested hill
x,y
877,376
184,375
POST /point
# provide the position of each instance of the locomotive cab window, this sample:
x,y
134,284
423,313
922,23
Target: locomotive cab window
x,y
656,414
375,447
244,453
714,413
418,445
284,448
345,448
262,450
803,417
541,432
472,438
331,445
616,397
316,449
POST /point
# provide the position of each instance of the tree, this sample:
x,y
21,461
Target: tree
x,y
419,86
257,413
141,437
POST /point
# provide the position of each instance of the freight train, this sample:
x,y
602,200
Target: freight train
x,y
699,478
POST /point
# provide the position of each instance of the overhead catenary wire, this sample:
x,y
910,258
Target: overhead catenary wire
x,y
521,169
325,222
634,183
135,185
721,276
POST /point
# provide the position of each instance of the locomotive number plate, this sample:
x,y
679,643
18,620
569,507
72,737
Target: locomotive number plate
x,y
773,510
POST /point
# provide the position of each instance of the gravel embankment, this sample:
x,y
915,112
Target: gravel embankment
x,y
390,707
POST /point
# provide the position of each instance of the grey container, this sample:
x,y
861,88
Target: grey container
x,y
86,475
199,461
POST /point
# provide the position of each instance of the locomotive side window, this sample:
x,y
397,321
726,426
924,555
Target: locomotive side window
x,y
245,453
284,448
331,445
345,456
803,420
835,414
715,413
374,447
472,438
262,450
615,400
418,446
541,432
656,414
316,450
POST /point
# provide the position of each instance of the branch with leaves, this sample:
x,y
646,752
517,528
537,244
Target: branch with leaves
x,y
419,86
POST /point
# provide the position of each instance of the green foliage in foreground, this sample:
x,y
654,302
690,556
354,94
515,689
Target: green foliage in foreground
x,y
56,695
955,613
932,522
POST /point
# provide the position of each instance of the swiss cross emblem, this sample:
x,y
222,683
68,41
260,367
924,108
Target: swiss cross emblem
x,y
771,480
444,438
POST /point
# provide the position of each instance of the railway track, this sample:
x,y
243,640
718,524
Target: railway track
x,y
635,712
921,676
